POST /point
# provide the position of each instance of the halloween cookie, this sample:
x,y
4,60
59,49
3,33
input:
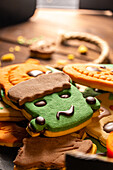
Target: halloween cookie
x,y
12,133
95,76
53,105
50,153
7,113
14,74
101,150
42,49
102,125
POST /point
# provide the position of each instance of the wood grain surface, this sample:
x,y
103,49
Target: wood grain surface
x,y
47,23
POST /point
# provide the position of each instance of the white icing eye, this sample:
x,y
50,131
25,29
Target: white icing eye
x,y
65,95
40,103
34,73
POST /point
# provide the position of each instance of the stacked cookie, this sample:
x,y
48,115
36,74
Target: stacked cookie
x,y
99,79
53,112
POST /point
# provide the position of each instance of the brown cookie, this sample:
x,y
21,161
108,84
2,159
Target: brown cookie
x,y
42,49
45,153
38,87
95,76
12,133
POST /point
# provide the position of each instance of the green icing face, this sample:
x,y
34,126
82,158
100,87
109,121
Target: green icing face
x,y
47,108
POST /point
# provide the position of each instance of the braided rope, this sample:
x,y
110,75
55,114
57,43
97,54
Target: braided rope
x,y
91,39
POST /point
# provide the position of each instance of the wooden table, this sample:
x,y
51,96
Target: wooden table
x,y
47,23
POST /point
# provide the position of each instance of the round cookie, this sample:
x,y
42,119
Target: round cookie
x,y
12,133
42,49
53,105
95,76
102,125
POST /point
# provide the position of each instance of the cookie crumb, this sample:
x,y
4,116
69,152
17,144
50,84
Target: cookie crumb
x,y
17,48
70,56
11,49
20,39
32,61
82,49
62,62
8,57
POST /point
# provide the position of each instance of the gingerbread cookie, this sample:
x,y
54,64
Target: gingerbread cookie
x,y
102,125
42,49
53,105
95,76
50,153
9,114
12,133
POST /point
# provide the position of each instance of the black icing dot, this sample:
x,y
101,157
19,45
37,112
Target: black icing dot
x,y
40,103
93,69
103,67
90,100
34,73
108,127
40,120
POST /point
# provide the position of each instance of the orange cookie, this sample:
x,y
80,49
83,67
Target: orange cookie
x,y
7,113
14,74
12,133
95,76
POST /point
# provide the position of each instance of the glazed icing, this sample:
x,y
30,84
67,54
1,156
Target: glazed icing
x,y
81,113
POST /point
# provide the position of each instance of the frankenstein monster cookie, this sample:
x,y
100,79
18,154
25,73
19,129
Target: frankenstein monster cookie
x,y
95,76
50,153
52,104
